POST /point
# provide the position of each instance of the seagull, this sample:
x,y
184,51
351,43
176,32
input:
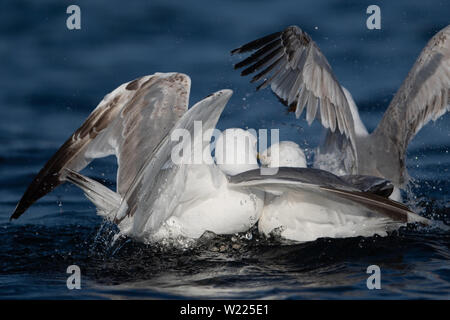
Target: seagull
x,y
161,196
303,204
156,198
291,63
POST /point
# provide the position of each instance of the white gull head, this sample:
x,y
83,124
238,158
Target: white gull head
x,y
236,151
283,154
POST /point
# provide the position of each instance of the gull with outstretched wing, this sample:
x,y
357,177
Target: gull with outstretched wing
x,y
291,63
155,198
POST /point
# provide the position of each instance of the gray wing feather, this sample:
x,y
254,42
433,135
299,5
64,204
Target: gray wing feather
x,y
145,120
121,121
423,96
299,74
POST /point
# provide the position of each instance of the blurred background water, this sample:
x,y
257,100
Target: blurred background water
x,y
51,78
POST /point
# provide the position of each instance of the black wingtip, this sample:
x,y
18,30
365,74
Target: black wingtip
x,y
255,44
258,87
243,63
234,51
18,211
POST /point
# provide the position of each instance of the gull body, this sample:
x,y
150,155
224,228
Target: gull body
x,y
308,213
208,204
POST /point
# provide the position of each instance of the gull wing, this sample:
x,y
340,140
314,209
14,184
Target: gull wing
x,y
307,176
157,188
378,186
423,96
316,180
129,122
300,75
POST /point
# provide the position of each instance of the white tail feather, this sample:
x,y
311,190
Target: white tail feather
x,y
106,201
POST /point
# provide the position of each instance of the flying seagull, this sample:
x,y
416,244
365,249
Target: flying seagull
x,y
291,63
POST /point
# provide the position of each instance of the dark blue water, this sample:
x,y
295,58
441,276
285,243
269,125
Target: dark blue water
x,y
51,78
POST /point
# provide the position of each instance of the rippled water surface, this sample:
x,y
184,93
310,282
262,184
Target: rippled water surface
x,y
51,78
